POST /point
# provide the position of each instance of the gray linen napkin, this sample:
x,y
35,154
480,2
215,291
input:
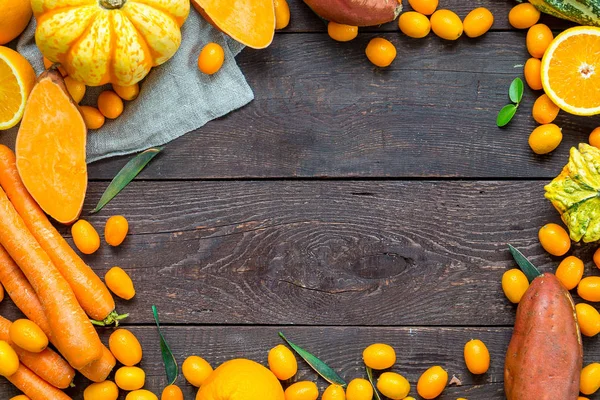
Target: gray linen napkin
x,y
175,98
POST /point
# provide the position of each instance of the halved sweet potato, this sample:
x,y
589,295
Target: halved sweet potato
x,y
357,12
51,149
544,357
250,22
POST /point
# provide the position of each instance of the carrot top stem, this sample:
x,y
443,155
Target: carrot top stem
x,y
113,318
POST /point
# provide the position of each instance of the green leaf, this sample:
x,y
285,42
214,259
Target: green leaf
x,y
126,175
530,271
515,92
319,366
506,115
168,358
370,376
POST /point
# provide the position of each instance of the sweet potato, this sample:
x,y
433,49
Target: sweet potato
x,y
545,354
357,12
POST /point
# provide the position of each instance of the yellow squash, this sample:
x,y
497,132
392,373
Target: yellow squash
x,y
109,41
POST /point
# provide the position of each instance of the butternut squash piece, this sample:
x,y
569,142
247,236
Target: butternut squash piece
x,y
250,22
50,149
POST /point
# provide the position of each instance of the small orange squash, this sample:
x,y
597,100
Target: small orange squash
x,y
50,149
109,41
251,23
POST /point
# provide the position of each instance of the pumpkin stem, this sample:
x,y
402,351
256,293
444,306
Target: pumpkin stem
x,y
112,4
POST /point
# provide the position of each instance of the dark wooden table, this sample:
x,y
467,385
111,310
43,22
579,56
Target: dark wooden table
x,y
346,205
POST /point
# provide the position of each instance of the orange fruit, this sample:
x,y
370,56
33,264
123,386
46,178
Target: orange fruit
x,y
18,78
589,381
172,392
120,283
75,88
393,385
544,110
545,138
477,357
539,38
14,18
303,390
125,347
571,62
130,378
334,392
106,390
588,319
381,52
211,58
28,335
92,116
115,230
110,104
414,24
446,24
432,382
478,22
359,389
596,257
589,288
523,16
554,239
241,379
85,236
514,285
282,362
594,140
341,32
196,370
282,14
127,92
533,73
9,361
379,356
425,7
570,272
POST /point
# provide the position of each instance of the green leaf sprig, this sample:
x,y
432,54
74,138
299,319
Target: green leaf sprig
x,y
126,175
530,271
319,366
515,93
372,381
169,361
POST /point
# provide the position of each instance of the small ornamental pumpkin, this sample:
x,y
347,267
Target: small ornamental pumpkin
x,y
109,41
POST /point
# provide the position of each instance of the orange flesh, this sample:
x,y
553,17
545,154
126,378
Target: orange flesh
x,y
51,151
10,92
250,22
574,71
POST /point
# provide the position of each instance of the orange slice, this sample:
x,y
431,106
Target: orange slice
x,y
571,70
17,78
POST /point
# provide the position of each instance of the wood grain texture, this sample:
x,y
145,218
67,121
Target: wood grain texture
x,y
417,349
322,110
325,253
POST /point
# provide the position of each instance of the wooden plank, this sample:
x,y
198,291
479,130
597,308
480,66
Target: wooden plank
x,y
322,110
328,253
304,20
417,349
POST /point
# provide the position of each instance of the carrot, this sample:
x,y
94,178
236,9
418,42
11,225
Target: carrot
x,y
20,291
92,294
73,333
48,365
35,387
99,370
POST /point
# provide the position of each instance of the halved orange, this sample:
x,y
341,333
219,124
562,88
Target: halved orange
x,y
571,70
17,78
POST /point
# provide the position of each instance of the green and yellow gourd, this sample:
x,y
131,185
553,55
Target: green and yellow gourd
x,y
584,12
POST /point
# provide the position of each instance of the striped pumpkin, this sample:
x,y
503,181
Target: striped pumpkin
x,y
584,12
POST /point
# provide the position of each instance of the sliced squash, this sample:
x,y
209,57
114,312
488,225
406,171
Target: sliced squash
x,y
50,149
250,22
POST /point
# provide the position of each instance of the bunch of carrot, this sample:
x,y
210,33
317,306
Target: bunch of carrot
x,y
54,288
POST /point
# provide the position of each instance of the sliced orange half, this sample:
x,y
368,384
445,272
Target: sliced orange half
x,y
571,70
17,78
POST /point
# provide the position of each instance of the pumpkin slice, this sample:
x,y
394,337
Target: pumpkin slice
x,y
250,22
51,149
